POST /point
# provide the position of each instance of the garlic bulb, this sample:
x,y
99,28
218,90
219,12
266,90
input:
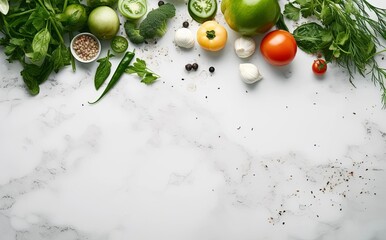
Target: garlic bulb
x,y
249,73
184,38
245,47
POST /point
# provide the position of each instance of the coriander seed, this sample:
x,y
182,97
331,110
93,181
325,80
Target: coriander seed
x,y
85,47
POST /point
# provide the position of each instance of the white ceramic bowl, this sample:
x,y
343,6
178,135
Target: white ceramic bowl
x,y
74,52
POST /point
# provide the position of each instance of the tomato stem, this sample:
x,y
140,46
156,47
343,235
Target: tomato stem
x,y
210,34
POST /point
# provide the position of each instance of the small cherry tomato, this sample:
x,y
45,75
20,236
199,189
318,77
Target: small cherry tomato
x,y
212,36
319,66
278,47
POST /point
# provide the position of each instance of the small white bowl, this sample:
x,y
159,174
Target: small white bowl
x,y
75,54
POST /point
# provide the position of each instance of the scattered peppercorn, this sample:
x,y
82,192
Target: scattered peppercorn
x,y
211,69
160,3
195,66
185,24
188,67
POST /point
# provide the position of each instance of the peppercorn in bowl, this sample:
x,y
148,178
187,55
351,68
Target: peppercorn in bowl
x,y
85,47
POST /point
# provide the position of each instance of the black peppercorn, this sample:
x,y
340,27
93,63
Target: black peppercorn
x,y
211,69
185,24
160,3
195,66
188,67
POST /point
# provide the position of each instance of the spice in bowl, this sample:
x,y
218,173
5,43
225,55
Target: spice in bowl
x,y
85,47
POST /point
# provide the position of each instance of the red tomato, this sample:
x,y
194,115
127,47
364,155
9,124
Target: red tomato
x,y
278,47
319,67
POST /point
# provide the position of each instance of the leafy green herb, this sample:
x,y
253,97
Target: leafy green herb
x,y
103,70
139,67
154,25
61,57
34,75
31,31
348,34
40,45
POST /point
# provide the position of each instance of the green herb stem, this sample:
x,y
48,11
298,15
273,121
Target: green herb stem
x,y
20,13
375,54
65,5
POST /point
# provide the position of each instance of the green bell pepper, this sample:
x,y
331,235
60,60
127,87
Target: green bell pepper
x,y
251,17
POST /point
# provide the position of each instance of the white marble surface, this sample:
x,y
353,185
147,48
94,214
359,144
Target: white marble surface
x,y
194,156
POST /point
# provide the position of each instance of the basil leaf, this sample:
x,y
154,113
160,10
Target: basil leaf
x,y
34,75
103,70
61,57
40,45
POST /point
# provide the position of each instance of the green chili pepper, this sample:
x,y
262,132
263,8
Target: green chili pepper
x,y
122,66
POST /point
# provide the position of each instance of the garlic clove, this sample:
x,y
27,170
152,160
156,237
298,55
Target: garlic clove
x,y
249,73
245,47
184,38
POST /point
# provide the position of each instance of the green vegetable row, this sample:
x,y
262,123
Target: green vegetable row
x,y
35,31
